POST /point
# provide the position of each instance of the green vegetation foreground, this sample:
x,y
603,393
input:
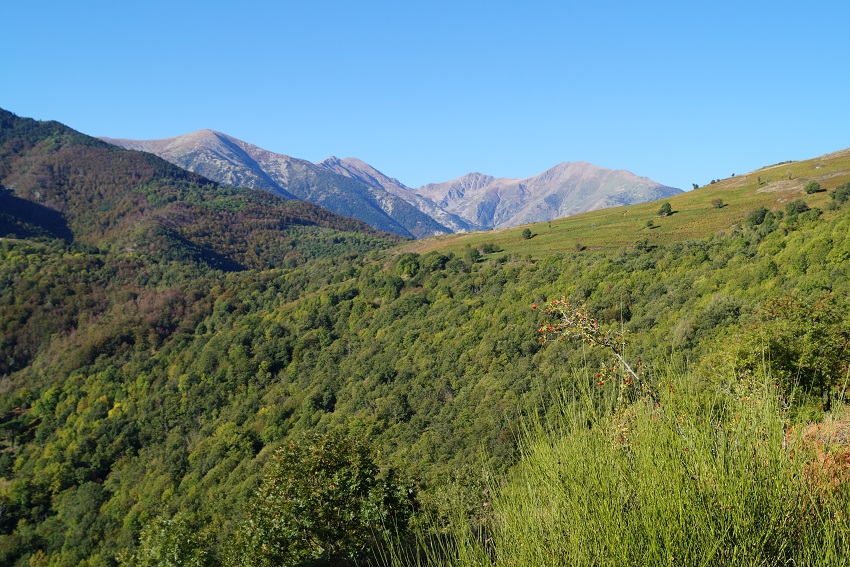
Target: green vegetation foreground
x,y
671,469
731,483
152,387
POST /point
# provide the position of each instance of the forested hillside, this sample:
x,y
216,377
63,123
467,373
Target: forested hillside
x,y
55,181
146,397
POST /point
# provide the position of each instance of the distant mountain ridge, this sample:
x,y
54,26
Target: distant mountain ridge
x,y
207,153
567,189
56,182
231,161
365,173
354,188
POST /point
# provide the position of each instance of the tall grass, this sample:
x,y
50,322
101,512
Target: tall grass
x,y
702,477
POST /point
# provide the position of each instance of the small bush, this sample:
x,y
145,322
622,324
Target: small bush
x,y
321,499
796,207
756,216
841,193
812,187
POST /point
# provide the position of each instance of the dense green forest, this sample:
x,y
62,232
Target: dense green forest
x,y
177,357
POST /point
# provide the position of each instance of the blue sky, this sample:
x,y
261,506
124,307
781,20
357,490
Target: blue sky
x,y
679,92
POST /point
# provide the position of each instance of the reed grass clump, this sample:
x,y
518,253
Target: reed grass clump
x,y
730,484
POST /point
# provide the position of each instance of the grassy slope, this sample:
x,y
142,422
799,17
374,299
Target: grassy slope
x,y
694,216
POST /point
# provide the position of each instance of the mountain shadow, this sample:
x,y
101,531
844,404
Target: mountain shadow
x,y
20,218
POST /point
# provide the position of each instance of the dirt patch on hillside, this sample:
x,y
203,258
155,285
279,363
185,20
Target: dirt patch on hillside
x,y
829,446
781,186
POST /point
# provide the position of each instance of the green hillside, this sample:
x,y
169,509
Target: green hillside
x,y
90,192
696,213
161,408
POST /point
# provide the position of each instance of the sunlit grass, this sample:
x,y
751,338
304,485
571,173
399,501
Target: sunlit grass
x,y
695,215
710,476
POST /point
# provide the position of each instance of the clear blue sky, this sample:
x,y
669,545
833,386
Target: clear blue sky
x,y
681,92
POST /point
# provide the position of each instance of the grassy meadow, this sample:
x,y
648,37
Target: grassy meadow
x,y
694,213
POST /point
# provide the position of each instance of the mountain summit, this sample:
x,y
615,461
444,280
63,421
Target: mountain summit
x,y
230,161
566,189
354,188
365,173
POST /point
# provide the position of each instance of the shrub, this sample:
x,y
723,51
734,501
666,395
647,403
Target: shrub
x,y
812,187
321,499
808,341
841,193
796,207
169,543
756,216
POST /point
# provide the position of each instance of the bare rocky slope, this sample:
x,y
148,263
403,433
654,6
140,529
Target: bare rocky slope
x,y
354,188
230,161
566,189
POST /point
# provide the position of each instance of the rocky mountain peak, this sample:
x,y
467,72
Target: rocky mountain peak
x,y
352,187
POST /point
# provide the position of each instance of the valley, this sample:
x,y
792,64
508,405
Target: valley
x,y
173,351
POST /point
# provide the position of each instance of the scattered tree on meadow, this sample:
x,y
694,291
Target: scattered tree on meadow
x,y
471,255
665,210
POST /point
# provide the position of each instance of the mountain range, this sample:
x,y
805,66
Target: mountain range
x,y
168,344
353,188
57,182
